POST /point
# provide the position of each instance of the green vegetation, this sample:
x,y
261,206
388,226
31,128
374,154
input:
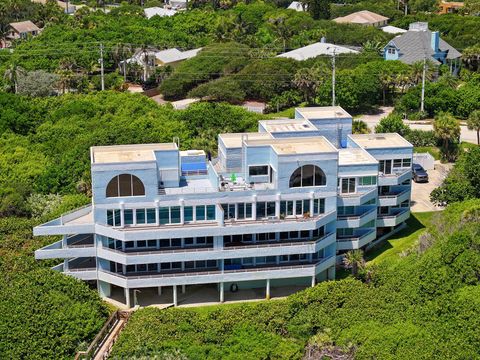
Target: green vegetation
x,y
402,241
411,308
463,181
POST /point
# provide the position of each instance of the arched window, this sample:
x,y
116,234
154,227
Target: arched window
x,y
125,185
308,175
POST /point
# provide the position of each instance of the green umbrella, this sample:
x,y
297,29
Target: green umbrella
x,y
233,177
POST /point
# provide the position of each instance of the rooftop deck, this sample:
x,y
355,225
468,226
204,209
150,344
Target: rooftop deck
x,y
380,141
325,112
287,125
296,145
234,140
127,153
354,156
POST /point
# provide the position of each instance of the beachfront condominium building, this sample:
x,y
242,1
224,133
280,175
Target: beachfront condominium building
x,y
273,208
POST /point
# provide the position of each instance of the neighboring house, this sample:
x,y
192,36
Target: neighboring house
x,y
274,209
393,30
419,43
316,49
297,6
150,59
450,7
363,17
158,11
178,4
22,30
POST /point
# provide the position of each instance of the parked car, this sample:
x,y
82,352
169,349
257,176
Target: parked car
x,y
419,174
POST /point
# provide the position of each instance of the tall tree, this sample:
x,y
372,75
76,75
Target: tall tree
x,y
473,123
447,128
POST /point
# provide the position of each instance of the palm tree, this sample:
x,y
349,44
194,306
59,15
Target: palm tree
x,y
354,260
12,74
473,123
417,71
447,128
307,81
360,127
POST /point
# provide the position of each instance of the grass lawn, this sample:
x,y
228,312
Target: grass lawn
x,y
404,239
432,150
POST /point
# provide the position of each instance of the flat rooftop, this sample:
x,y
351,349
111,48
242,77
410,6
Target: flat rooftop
x,y
296,145
354,156
378,141
234,140
127,153
324,112
287,125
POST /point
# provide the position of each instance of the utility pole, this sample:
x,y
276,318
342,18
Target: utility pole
x,y
333,78
422,105
102,76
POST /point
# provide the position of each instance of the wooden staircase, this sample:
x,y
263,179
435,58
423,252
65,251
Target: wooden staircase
x,y
100,347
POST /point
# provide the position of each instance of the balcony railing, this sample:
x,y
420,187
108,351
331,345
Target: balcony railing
x,y
278,243
355,238
355,216
392,194
299,265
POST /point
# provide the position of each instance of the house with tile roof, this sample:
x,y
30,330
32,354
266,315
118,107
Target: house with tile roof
x,y
419,43
22,29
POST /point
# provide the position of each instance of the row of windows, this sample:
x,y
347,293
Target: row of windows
x,y
161,243
167,215
284,235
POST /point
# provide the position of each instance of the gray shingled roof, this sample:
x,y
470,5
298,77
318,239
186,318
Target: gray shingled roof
x,y
415,45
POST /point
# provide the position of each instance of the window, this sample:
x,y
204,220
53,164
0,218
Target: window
x,y
140,216
397,163
188,213
152,243
308,175
200,213
391,50
125,185
368,180
164,215
347,185
345,232
128,216
258,170
407,162
113,217
210,212
318,206
370,202
151,216
175,214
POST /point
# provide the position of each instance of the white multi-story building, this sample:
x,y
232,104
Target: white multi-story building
x,y
274,208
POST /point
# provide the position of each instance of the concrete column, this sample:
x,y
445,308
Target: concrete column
x,y
175,302
277,206
267,290
122,215
194,214
159,291
311,204
222,265
64,241
254,207
182,209
124,269
183,289
157,212
65,265
123,246
134,214
236,211
313,280
127,298
222,292
331,273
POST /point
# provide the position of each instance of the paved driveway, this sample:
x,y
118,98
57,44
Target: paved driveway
x,y
420,201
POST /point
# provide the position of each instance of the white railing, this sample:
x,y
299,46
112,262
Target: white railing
x,y
355,216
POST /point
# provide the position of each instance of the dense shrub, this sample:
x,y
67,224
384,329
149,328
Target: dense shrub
x,y
423,306
420,138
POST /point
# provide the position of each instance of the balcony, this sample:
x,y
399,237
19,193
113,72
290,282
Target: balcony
x,y
356,220
396,178
393,198
214,228
209,253
358,198
396,217
79,221
356,242
83,269
207,276
77,246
